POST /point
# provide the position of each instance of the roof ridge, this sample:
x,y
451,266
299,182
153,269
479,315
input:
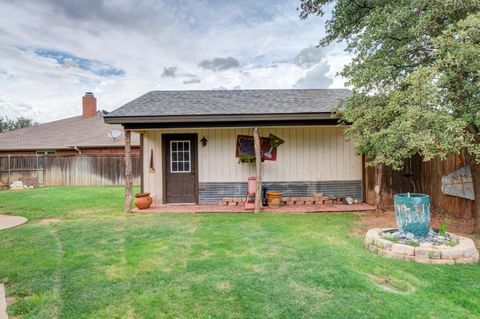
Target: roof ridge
x,y
245,90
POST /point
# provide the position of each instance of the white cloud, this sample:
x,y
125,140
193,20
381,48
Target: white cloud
x,y
144,38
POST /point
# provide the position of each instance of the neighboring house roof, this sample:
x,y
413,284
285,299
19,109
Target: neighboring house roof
x,y
64,134
179,105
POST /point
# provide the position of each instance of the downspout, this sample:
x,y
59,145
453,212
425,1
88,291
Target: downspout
x,y
77,149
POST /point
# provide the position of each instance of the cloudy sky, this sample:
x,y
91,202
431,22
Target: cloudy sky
x,y
53,51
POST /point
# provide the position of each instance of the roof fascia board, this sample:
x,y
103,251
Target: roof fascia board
x,y
218,118
231,124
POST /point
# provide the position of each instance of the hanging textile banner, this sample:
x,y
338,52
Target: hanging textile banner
x,y
246,149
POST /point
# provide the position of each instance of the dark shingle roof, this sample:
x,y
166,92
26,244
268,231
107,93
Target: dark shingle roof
x,y
226,102
64,134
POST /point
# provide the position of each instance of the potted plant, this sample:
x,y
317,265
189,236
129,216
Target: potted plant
x,y
143,200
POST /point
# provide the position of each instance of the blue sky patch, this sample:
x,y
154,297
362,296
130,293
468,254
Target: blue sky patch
x,y
70,60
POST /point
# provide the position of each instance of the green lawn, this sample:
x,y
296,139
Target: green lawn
x,y
97,263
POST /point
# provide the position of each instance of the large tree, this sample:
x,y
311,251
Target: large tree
x,y
416,77
7,124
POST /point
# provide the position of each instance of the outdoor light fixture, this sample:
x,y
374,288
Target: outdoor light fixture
x,y
204,141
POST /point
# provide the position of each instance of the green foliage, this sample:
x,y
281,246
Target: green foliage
x,y
7,124
415,75
414,243
246,159
452,242
442,229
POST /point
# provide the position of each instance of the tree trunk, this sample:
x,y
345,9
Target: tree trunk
x,y
379,203
475,169
128,173
258,166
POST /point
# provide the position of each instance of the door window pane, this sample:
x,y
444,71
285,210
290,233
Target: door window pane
x,y
180,157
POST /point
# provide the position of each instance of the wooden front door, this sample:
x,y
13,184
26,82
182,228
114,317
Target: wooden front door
x,y
180,168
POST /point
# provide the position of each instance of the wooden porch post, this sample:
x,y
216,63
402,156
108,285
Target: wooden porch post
x,y
258,166
128,172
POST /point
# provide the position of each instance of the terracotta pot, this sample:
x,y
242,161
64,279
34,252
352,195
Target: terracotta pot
x,y
143,200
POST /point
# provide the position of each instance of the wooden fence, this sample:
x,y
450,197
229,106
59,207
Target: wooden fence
x,y
79,170
424,177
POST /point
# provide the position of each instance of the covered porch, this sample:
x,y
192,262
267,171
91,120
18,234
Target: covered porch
x,y
199,209
313,161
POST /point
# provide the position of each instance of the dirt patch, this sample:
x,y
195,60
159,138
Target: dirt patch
x,y
369,220
223,286
49,221
390,284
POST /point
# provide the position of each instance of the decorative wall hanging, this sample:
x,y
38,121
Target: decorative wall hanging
x,y
204,141
459,183
245,149
151,168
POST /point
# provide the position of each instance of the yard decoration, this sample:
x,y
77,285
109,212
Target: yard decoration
x,y
252,185
251,193
151,167
412,212
414,75
275,142
143,200
245,150
459,183
433,249
415,240
274,199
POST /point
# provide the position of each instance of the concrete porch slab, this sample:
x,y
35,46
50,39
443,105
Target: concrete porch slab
x,y
300,209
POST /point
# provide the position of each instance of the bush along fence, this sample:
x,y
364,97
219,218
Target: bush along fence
x,y
53,170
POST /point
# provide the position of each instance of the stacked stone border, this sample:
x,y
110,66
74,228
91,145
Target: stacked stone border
x,y
463,253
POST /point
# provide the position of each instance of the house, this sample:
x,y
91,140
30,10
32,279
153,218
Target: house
x,y
197,146
80,150
83,134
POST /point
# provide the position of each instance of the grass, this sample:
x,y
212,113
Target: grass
x,y
88,260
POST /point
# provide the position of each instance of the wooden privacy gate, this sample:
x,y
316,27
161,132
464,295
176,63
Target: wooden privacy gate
x,y
52,170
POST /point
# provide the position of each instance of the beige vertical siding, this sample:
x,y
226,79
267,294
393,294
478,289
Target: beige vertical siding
x,y
309,154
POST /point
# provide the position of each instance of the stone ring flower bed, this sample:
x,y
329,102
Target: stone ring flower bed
x,y
458,250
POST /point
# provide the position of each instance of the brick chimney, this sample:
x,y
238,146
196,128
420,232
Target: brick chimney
x,y
89,105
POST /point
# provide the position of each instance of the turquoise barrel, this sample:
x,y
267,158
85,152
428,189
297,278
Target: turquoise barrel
x,y
412,212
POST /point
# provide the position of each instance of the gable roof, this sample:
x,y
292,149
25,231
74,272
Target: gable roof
x,y
64,134
164,104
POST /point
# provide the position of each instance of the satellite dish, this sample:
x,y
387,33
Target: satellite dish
x,y
114,134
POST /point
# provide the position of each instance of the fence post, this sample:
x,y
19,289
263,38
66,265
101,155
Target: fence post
x,y
9,174
37,170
